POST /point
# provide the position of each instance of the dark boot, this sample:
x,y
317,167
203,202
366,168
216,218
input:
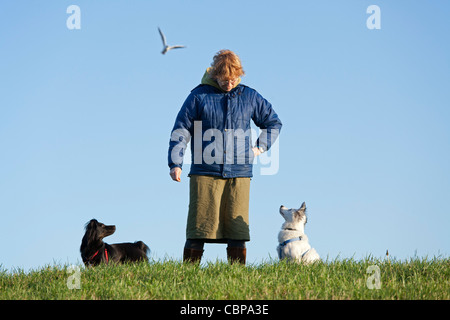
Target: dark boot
x,y
192,255
236,254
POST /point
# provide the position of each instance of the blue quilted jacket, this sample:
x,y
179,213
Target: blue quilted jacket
x,y
217,124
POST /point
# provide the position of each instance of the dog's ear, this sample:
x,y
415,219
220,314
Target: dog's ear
x,y
303,207
90,235
300,213
91,224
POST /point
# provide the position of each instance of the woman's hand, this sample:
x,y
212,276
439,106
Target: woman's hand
x,y
175,174
256,151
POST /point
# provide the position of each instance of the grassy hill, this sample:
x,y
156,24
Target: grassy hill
x,y
340,279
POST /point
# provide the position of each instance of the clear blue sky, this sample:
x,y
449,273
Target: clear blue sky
x,y
85,120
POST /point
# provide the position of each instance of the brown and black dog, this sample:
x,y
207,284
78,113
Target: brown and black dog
x,y
94,251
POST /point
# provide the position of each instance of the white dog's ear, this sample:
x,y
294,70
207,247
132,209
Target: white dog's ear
x,y
303,207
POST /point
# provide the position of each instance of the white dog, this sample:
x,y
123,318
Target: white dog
x,y
293,241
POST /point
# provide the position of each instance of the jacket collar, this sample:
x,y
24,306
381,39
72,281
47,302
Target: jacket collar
x,y
206,79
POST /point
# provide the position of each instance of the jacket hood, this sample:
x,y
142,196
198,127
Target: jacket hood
x,y
211,82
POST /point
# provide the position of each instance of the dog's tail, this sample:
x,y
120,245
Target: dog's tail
x,y
143,247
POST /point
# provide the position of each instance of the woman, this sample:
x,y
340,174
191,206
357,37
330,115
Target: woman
x,y
217,116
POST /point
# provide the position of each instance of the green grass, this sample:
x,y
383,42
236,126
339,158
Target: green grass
x,y
340,279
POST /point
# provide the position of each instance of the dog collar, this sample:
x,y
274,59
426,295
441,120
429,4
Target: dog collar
x,y
106,254
286,242
290,240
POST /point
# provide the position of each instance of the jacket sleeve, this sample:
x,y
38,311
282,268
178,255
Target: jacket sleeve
x,y
267,120
182,132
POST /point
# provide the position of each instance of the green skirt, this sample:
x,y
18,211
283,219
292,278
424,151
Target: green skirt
x,y
218,209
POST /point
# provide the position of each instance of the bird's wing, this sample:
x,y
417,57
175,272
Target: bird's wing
x,y
176,47
163,38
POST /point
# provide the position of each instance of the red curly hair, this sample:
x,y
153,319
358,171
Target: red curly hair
x,y
226,65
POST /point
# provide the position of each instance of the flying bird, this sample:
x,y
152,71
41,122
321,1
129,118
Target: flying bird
x,y
166,46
